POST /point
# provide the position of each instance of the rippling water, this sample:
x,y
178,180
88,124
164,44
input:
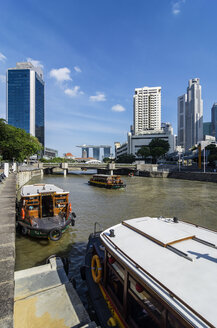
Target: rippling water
x,y
190,200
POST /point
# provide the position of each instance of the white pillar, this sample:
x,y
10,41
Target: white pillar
x,y
14,167
42,173
6,169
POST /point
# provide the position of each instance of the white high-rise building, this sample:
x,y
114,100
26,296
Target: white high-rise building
x,y
147,109
190,116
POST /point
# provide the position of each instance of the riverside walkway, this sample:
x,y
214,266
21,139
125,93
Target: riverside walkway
x,y
7,249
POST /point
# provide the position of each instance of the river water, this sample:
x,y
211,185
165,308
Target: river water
x,y
189,200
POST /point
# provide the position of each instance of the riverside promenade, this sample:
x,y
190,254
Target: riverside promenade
x,y
7,249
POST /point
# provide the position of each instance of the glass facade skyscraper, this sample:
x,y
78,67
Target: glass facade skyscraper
x,y
25,99
214,120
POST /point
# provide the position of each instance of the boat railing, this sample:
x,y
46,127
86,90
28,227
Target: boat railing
x,y
95,228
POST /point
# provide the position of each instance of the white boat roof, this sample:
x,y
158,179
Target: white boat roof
x,y
172,258
36,189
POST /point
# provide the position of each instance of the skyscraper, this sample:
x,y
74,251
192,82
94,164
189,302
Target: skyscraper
x,y
181,103
25,99
147,109
190,123
214,120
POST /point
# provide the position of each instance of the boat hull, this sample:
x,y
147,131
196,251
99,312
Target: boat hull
x,y
105,185
47,231
105,312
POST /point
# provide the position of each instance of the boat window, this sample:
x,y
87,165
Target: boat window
x,y
116,285
172,322
116,266
32,202
115,279
139,315
32,207
150,304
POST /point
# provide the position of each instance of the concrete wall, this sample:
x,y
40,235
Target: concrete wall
x,y
24,176
197,176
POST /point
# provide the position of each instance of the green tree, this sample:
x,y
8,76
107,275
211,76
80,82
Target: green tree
x,y
16,144
126,159
107,160
143,152
158,147
212,154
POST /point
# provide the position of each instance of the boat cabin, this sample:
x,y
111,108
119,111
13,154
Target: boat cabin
x,y
43,200
161,273
108,181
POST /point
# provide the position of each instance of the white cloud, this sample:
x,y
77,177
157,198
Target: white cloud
x,y
84,126
61,74
2,78
73,92
35,63
99,97
2,57
176,6
77,69
118,108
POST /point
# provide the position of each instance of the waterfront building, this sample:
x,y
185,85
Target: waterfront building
x,y
135,142
181,104
194,121
68,156
207,129
147,109
190,115
121,149
25,99
96,151
214,120
50,153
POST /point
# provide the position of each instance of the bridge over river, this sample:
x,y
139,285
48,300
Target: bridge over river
x,y
107,167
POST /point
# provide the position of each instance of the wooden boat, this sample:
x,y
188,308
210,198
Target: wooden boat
x,y
107,181
44,211
153,272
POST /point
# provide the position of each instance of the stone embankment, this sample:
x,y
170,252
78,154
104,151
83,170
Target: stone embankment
x,y
195,176
7,249
25,175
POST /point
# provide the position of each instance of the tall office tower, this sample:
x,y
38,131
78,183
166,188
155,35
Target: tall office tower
x,y
147,109
181,103
214,120
194,114
190,116
25,99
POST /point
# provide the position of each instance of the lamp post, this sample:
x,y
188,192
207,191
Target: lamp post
x,y
204,159
179,160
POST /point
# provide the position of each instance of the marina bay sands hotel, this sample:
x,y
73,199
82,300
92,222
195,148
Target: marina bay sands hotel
x,y
96,151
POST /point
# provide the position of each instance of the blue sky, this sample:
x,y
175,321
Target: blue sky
x,y
94,53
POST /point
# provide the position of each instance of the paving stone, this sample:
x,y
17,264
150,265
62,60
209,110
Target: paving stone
x,y
7,250
6,322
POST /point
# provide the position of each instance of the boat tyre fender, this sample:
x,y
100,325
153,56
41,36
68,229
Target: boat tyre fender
x,y
96,269
72,222
55,234
24,231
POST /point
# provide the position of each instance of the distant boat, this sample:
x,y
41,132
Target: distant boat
x,y
107,181
44,211
153,272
